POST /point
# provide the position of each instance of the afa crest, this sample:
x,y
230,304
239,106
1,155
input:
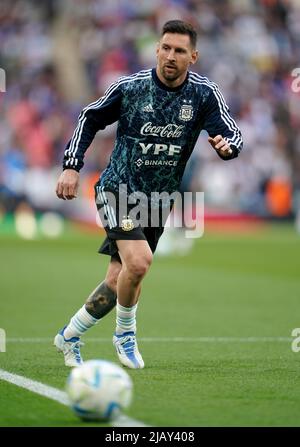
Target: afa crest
x,y
186,112
127,224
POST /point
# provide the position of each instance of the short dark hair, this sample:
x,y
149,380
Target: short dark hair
x,y
180,27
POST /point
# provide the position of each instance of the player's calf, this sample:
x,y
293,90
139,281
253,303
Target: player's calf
x,y
101,301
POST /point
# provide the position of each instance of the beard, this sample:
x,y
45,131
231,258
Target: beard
x,y
170,75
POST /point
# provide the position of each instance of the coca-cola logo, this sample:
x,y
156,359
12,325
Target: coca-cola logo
x,y
168,131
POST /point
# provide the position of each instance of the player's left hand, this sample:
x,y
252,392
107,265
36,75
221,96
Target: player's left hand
x,y
220,145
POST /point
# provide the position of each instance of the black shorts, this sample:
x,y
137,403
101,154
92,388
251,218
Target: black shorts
x,y
121,223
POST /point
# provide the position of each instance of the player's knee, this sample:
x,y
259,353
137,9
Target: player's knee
x,y
137,267
111,281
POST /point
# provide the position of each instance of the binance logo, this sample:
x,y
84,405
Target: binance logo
x,y
139,163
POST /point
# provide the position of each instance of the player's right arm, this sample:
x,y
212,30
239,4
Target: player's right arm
x,y
96,116
67,185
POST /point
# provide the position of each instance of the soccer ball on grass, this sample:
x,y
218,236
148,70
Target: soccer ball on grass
x,y
99,390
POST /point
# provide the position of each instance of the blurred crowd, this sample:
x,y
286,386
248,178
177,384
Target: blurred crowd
x,y
59,56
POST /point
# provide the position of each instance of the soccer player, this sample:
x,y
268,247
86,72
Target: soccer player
x,y
160,113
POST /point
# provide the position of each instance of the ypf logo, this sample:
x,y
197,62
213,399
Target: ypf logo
x,y
2,340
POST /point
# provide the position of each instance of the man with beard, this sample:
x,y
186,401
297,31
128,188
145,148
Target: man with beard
x,y
160,114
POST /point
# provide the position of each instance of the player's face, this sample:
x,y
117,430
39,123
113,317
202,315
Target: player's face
x,y
174,55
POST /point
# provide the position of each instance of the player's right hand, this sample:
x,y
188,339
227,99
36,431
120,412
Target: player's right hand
x,y
67,185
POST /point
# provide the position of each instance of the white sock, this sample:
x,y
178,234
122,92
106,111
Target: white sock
x,y
80,323
125,320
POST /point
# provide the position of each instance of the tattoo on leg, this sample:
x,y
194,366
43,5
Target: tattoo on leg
x,y
101,301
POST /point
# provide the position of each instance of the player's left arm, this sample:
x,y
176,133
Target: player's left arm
x,y
224,134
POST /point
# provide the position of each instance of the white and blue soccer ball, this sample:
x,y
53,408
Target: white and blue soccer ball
x,y
99,390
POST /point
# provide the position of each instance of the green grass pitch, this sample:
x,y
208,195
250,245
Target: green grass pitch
x,y
230,286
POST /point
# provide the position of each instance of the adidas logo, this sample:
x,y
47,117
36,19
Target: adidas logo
x,y
148,108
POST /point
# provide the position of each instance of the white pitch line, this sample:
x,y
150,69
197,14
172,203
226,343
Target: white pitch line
x,y
58,396
35,387
169,340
